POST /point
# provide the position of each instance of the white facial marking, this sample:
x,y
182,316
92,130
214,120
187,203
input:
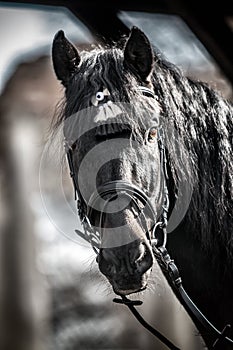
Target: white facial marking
x,y
99,96
106,92
107,111
94,101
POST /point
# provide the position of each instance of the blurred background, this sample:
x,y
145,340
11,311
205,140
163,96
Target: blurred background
x,y
52,295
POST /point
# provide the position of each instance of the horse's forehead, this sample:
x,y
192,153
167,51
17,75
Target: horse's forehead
x,y
104,58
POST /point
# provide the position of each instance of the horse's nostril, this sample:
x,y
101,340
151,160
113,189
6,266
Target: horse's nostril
x,y
107,268
145,260
108,262
110,256
130,260
141,252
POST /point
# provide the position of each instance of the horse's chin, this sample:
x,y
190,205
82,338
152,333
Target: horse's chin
x,y
132,288
129,291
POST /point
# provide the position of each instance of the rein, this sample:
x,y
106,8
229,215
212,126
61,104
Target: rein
x,y
167,265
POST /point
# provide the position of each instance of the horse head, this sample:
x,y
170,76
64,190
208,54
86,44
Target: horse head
x,y
111,127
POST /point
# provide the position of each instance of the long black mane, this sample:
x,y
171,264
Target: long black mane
x,y
203,121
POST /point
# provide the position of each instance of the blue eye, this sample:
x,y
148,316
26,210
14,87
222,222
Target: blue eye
x,y
99,96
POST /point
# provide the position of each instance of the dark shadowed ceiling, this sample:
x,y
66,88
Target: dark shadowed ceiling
x,y
213,25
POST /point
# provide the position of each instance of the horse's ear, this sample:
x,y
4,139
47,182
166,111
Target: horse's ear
x,y
138,54
65,57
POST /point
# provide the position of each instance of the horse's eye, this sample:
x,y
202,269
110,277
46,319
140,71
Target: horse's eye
x,y
99,96
152,135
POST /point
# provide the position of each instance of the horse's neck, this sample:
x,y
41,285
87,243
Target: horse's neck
x,y
200,250
201,273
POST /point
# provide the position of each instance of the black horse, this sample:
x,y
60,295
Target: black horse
x,y
141,135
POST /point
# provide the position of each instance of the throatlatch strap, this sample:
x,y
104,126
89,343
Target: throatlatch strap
x,y
172,273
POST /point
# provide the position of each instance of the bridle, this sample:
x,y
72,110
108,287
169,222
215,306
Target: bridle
x,y
158,237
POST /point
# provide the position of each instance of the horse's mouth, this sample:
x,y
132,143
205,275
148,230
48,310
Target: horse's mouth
x,y
130,287
129,291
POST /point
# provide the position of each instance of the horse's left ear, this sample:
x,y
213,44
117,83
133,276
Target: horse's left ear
x,y
65,57
138,54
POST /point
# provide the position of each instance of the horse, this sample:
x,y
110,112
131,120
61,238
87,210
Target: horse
x,y
149,147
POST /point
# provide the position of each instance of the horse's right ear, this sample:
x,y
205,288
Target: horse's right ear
x,y
65,57
138,54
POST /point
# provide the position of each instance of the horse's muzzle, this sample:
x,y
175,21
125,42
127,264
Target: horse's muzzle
x,y
127,267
